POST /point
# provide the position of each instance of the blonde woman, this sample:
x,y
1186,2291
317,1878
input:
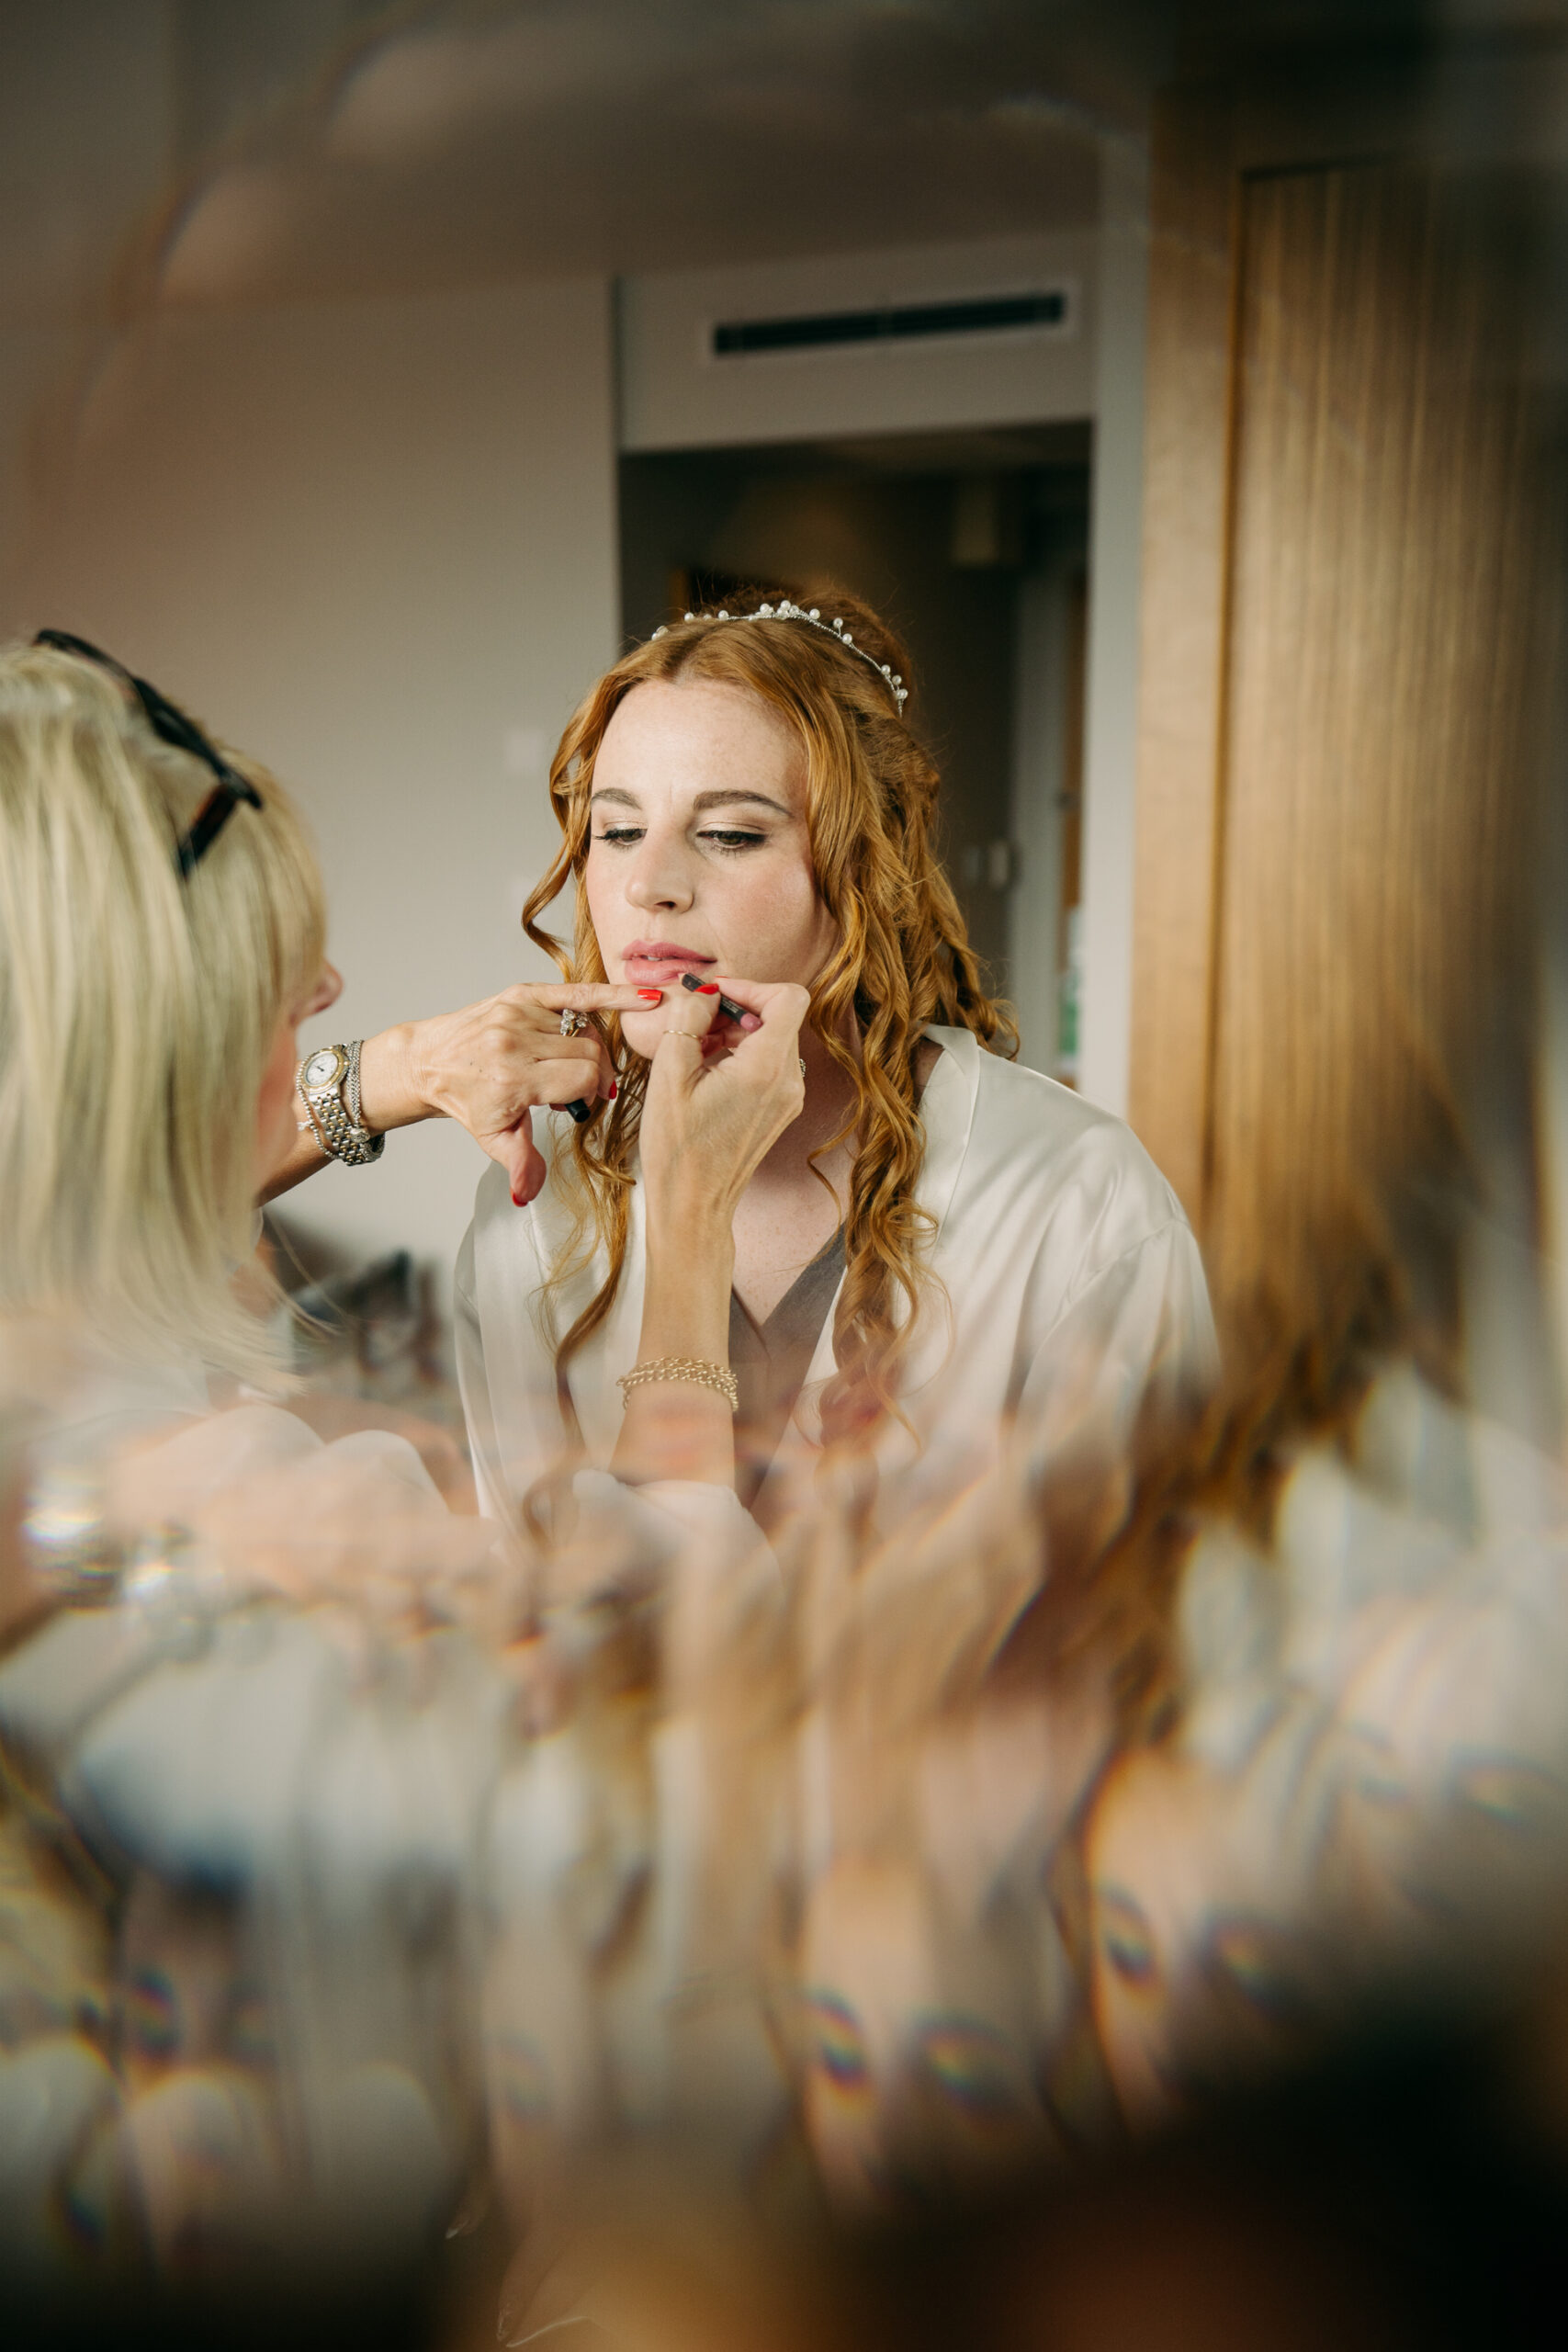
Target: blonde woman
x,y
822,1204
162,931
162,936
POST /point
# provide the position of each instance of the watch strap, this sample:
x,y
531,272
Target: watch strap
x,y
336,1111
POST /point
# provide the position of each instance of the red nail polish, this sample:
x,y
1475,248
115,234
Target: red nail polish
x,y
614,1089
652,996
709,987
518,1202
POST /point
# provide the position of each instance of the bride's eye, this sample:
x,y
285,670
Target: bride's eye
x,y
619,836
732,837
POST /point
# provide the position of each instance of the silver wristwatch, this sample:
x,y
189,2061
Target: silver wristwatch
x,y
327,1080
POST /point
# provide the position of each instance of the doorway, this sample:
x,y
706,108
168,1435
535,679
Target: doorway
x,y
974,546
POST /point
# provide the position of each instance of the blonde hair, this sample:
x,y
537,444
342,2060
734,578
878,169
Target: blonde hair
x,y
138,1013
903,960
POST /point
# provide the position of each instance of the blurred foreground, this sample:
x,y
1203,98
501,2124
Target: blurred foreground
x,y
1135,1917
396,1933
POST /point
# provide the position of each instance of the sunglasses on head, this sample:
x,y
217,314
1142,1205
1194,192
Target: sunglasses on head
x,y
171,726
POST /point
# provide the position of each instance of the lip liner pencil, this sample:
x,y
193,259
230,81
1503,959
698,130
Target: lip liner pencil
x,y
732,1012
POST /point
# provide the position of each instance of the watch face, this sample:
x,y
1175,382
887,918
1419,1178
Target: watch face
x,y
321,1068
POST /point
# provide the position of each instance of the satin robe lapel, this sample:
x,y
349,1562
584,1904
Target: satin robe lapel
x,y
613,1349
947,1111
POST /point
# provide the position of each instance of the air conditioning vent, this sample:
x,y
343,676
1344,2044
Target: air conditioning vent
x,y
1046,310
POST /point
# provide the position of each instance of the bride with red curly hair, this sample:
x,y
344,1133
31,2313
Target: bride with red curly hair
x,y
814,1201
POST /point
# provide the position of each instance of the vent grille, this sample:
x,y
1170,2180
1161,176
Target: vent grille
x,y
1048,308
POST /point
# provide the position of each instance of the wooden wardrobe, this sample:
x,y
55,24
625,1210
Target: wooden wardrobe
x,y
1347,674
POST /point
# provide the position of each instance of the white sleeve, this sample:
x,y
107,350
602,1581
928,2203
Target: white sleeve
x,y
278,1483
699,1544
671,1517
496,1498
653,1524
1129,1362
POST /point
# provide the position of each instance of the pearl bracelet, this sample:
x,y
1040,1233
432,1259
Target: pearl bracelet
x,y
692,1368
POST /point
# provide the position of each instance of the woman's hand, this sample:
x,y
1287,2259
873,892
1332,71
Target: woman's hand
x,y
711,1117
487,1067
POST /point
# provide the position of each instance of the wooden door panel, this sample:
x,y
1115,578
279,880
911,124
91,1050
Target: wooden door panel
x,y
1338,750
1185,519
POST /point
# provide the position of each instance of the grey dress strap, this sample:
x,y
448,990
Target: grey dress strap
x,y
771,1360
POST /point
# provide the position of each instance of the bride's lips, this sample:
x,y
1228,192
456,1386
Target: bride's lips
x,y
658,963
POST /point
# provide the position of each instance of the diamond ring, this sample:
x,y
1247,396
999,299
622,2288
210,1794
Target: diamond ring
x,y
570,1022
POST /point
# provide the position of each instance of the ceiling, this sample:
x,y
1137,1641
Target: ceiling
x,y
222,151
573,135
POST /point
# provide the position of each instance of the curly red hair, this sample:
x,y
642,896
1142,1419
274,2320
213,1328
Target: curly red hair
x,y
903,960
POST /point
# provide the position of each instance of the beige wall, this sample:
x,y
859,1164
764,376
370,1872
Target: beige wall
x,y
374,544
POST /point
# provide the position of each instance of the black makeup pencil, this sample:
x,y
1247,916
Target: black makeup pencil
x,y
731,1011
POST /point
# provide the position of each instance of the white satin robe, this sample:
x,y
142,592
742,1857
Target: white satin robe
x,y
1066,1296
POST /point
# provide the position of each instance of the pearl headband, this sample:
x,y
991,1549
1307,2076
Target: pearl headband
x,y
834,628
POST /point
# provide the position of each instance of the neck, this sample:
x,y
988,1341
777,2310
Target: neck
x,y
830,1100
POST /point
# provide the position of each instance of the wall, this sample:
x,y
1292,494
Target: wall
x,y
373,543
1047,696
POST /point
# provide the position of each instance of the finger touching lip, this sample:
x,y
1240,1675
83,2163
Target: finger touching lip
x,y
596,996
740,1015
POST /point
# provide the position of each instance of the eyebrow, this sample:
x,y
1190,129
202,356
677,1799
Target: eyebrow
x,y
703,800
